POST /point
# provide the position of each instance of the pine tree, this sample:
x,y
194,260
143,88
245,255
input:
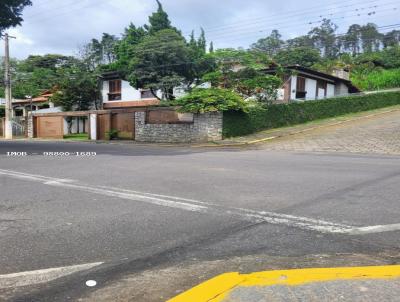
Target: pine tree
x,y
159,20
211,50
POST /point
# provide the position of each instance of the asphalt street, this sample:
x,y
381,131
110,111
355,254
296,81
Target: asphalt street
x,y
133,208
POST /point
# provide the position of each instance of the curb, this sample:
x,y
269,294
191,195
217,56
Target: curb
x,y
247,143
217,288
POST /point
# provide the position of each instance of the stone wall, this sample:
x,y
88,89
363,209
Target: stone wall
x,y
205,127
30,131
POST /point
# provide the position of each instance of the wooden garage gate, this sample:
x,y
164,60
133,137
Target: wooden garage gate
x,y
122,122
49,127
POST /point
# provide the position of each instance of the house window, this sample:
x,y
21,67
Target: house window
x,y
114,93
301,88
146,94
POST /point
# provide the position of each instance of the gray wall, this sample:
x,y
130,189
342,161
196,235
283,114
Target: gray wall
x,y
205,127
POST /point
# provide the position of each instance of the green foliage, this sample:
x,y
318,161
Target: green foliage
x,y
112,134
159,20
304,56
77,91
377,79
229,58
2,111
259,118
324,38
158,62
271,44
261,87
210,100
11,12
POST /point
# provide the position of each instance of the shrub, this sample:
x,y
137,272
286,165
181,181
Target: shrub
x,y
258,118
210,100
377,79
2,111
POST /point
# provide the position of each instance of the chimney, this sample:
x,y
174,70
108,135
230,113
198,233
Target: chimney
x,y
341,73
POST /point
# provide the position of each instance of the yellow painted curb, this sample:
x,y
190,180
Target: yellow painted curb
x,y
217,288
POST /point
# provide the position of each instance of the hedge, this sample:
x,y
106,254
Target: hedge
x,y
237,123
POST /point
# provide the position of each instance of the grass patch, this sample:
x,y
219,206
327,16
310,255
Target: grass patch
x,y
378,79
77,136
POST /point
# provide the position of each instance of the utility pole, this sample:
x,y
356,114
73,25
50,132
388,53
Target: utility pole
x,y
7,79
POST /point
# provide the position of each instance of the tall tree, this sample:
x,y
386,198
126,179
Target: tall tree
x,y
271,44
391,38
159,62
324,38
352,39
370,37
10,13
304,56
301,41
159,20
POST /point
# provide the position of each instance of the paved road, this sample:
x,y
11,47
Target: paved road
x,y
160,220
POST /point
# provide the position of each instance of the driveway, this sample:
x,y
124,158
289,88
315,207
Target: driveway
x,y
379,134
146,222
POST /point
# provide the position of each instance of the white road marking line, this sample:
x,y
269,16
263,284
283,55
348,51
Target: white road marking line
x,y
206,207
42,275
375,229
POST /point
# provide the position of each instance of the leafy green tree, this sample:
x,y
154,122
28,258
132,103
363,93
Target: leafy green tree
x,y
159,20
304,56
271,44
211,49
352,40
229,58
11,13
160,62
391,38
264,88
301,41
125,47
324,38
210,100
77,91
97,53
370,37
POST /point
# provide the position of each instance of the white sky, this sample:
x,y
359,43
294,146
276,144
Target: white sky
x,y
61,26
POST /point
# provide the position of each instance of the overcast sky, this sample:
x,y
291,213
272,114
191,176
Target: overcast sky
x,y
61,26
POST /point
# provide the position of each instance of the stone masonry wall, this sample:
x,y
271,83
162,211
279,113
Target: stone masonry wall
x,y
30,125
205,127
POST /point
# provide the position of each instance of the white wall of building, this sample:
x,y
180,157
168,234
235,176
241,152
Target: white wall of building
x,y
311,88
128,93
330,90
293,86
74,128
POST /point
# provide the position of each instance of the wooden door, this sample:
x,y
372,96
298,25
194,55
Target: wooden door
x,y
103,126
124,123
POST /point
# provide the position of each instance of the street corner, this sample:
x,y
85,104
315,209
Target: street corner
x,y
369,283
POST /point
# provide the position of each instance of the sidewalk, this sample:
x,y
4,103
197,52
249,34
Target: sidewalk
x,y
349,284
267,135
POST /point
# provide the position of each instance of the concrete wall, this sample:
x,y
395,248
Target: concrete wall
x,y
341,89
205,127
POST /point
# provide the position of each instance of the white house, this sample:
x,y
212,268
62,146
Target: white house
x,y
301,83
118,93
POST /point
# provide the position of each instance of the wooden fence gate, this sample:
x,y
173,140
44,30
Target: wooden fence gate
x,y
121,123
49,127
